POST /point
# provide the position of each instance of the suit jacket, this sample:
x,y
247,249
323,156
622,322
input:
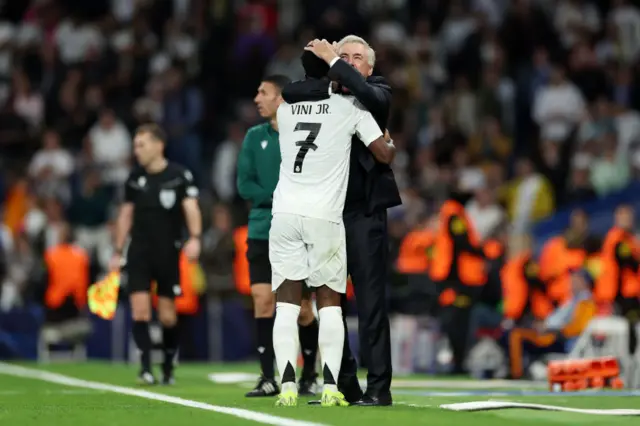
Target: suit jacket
x,y
374,179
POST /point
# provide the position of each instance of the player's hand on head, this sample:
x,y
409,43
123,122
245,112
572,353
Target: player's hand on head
x,y
322,49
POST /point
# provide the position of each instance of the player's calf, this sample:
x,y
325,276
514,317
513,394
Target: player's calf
x,y
285,336
330,342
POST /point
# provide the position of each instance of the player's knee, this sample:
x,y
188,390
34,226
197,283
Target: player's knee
x,y
306,313
290,292
326,297
263,300
140,307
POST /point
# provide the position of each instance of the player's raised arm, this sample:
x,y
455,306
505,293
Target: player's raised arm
x,y
369,132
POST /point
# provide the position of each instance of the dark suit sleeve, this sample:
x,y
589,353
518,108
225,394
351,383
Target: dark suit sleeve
x,y
305,91
376,98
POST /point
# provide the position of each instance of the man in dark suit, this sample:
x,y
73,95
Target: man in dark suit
x,y
371,190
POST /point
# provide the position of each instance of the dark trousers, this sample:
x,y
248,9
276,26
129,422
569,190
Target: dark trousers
x,y
455,324
367,262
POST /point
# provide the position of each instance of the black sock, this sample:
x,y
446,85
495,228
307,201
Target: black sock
x,y
265,346
327,376
170,347
309,345
289,374
143,342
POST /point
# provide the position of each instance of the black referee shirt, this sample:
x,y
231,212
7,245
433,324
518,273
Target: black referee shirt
x,y
158,216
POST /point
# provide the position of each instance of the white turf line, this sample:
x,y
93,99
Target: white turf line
x,y
30,373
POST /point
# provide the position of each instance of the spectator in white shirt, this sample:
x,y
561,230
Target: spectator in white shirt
x,y
110,146
52,161
27,104
483,212
626,18
558,107
611,172
224,166
75,40
51,167
573,18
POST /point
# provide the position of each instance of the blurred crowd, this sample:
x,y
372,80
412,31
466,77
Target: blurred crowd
x,y
526,106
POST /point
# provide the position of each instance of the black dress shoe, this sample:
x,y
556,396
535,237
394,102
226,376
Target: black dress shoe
x,y
374,401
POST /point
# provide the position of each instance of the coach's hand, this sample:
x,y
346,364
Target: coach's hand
x,y
192,249
322,49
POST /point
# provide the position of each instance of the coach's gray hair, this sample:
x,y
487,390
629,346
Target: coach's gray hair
x,y
371,54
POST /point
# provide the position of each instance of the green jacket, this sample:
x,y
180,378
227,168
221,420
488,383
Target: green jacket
x,y
258,170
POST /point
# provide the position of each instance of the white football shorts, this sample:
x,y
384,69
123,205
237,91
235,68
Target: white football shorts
x,y
308,249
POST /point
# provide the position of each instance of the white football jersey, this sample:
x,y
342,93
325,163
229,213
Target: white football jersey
x,y
315,144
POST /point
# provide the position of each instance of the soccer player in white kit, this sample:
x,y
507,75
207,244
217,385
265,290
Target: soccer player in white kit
x,y
307,238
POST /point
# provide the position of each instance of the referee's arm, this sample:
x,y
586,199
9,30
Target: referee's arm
x,y
125,218
193,217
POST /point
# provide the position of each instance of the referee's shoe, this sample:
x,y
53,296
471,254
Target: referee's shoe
x,y
265,387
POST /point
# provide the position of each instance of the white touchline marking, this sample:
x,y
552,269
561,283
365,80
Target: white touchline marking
x,y
30,373
407,404
52,392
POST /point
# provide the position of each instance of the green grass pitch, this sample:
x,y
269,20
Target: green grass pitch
x,y
31,402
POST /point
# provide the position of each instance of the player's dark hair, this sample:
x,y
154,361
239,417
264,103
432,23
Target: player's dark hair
x,y
314,67
154,130
277,80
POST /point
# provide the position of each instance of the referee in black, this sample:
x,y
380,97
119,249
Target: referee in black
x,y
371,190
159,197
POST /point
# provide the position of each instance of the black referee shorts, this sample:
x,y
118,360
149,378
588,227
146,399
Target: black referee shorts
x,y
159,264
259,265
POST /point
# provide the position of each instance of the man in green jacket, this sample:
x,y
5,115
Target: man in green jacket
x,y
258,170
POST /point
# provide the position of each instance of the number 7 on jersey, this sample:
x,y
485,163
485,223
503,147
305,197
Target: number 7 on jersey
x,y
307,144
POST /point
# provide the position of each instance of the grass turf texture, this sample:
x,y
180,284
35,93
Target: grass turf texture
x,y
27,402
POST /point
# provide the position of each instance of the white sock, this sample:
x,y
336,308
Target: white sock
x,y
331,342
285,340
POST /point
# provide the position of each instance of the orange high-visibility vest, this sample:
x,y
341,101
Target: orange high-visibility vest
x,y
493,249
413,258
556,263
68,269
240,262
16,206
615,281
470,266
517,292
